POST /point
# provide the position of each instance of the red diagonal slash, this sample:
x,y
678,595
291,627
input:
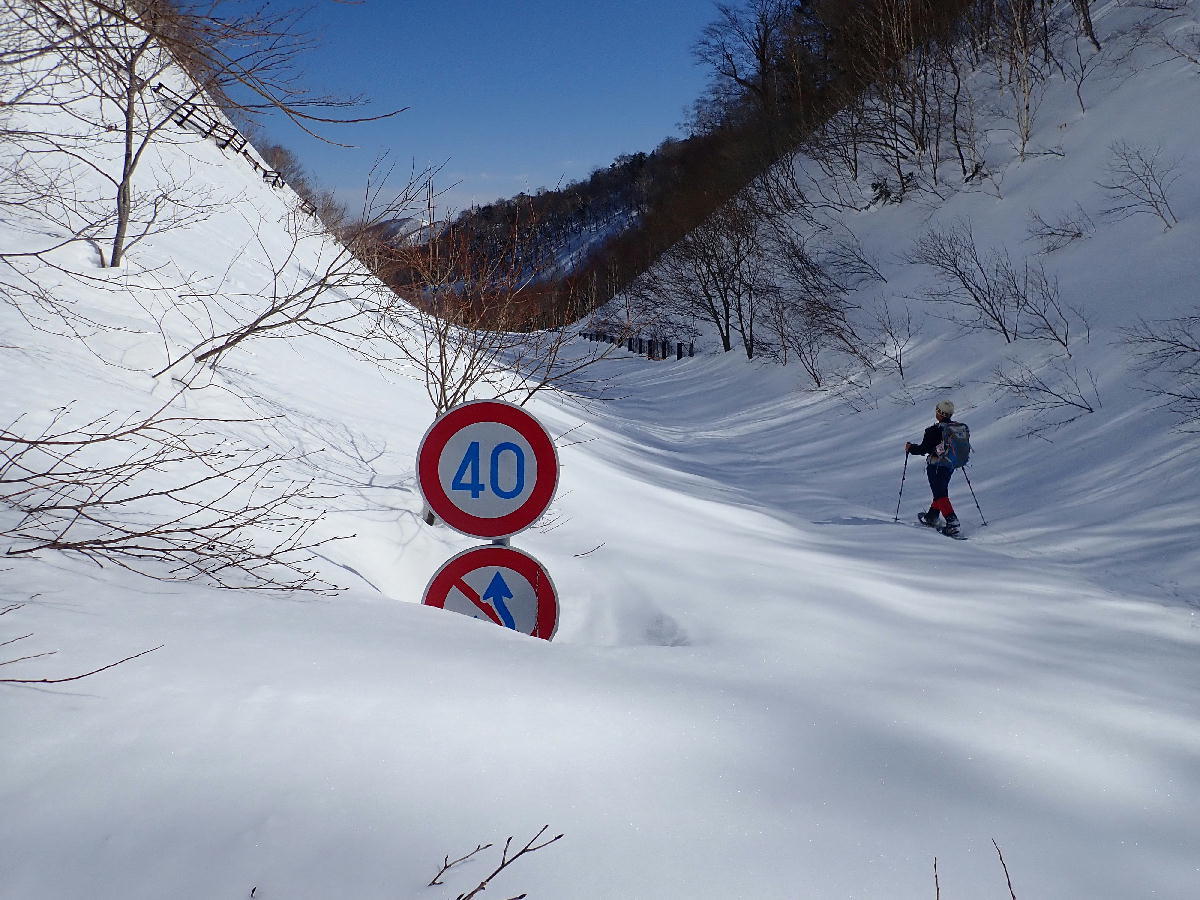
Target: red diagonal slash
x,y
470,594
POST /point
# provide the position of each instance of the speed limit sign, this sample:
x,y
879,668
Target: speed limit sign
x,y
487,468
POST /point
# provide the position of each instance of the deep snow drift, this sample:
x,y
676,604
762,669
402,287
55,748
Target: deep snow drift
x,y
761,686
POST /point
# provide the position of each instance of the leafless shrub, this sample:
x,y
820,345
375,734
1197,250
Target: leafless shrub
x,y
56,206
89,172
52,203
307,288
1053,395
1138,181
957,105
472,321
1020,44
851,387
813,326
1067,228
312,283
110,116
1164,5
1015,300
240,57
718,273
809,350
895,330
1044,315
165,496
1168,352
970,279
79,132
917,105
505,861
806,267
837,147
1080,63
1184,43
848,262
1123,49
469,319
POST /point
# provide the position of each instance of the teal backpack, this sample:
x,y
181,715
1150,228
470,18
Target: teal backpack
x,y
955,448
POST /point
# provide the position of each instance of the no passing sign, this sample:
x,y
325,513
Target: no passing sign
x,y
487,468
500,584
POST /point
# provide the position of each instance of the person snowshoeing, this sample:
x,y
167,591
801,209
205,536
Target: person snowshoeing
x,y
936,444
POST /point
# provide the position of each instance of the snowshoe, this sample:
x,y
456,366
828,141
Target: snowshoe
x,y
951,530
929,521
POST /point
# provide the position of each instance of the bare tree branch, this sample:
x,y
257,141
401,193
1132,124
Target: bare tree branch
x,y
164,496
1139,179
65,679
505,861
448,863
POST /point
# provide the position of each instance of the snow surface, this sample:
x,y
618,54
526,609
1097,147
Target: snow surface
x,y
761,686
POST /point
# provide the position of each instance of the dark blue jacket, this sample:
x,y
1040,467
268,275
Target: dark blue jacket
x,y
930,441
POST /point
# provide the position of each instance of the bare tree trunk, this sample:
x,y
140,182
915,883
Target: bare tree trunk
x,y
128,164
1084,12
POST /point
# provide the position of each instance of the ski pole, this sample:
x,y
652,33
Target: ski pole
x,y
973,497
901,497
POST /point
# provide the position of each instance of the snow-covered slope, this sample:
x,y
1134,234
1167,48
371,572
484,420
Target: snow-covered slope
x,y
761,686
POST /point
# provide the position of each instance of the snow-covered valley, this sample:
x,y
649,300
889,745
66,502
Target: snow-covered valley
x,y
762,686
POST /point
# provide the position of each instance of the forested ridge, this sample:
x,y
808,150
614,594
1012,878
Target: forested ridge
x,y
877,87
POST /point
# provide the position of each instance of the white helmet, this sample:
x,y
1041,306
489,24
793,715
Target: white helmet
x,y
945,407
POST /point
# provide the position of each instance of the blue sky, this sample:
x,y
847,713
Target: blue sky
x,y
512,95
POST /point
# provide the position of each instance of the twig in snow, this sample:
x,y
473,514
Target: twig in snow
x,y
75,677
1011,893
506,861
447,864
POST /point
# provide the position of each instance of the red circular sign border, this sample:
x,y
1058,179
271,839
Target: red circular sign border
x,y
518,561
450,423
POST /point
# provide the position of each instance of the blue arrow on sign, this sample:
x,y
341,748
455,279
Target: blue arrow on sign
x,y
497,592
